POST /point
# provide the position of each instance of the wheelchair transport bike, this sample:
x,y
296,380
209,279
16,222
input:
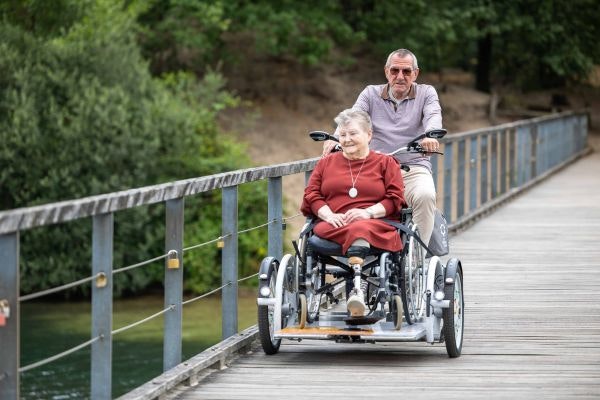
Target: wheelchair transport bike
x,y
408,297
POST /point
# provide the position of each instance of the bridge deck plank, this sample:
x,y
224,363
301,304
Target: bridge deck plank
x,y
532,304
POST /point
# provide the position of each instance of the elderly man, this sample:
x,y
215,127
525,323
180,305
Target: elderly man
x,y
401,110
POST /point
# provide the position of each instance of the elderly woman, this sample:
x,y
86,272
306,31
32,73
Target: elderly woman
x,y
350,191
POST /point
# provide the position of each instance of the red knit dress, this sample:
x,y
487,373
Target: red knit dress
x,y
379,181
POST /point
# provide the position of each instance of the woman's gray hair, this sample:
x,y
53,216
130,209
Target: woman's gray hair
x,y
354,115
402,53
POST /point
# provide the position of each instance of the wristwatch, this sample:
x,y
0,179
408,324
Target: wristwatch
x,y
370,212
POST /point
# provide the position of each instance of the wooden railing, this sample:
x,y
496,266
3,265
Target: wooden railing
x,y
480,169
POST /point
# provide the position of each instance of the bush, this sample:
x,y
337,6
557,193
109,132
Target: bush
x,y
81,115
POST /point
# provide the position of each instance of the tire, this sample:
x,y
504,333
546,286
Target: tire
x,y
302,314
453,328
413,282
265,315
397,311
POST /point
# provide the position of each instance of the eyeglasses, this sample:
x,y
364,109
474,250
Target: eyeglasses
x,y
405,71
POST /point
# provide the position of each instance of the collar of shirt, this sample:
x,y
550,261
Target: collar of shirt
x,y
387,94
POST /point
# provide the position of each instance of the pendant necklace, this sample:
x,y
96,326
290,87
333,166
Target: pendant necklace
x,y
353,192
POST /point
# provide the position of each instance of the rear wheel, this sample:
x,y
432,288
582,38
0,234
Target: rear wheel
x,y
454,316
266,322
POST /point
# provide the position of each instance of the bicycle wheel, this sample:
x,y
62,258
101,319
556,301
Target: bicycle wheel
x,y
454,316
413,280
266,323
396,309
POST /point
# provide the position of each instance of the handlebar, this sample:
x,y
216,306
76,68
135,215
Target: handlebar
x,y
412,147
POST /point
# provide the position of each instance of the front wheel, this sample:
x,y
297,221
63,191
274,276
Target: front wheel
x,y
397,309
266,321
302,311
454,316
313,297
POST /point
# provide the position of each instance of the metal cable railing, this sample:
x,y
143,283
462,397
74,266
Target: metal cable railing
x,y
146,262
58,288
59,355
144,320
133,266
125,328
151,317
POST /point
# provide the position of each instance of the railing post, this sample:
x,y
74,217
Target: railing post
x,y
275,213
474,175
173,284
229,263
460,179
522,150
533,152
9,333
307,175
448,187
493,144
504,160
102,288
484,178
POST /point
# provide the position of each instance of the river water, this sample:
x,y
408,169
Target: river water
x,y
51,328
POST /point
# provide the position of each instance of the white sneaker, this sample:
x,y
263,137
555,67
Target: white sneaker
x,y
356,304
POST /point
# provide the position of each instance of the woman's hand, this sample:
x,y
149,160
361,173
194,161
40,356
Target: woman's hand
x,y
356,214
336,220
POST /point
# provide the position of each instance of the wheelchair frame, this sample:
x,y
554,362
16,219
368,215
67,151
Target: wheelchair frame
x,y
407,300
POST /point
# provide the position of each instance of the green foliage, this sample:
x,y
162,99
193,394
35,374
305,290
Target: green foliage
x,y
305,31
80,115
426,27
533,44
42,17
183,34
191,34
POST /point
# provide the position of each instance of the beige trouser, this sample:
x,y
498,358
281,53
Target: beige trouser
x,y
419,192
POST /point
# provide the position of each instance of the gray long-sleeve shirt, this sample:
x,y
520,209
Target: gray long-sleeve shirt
x,y
394,125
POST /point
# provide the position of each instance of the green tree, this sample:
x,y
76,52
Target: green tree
x,y
80,115
194,34
530,44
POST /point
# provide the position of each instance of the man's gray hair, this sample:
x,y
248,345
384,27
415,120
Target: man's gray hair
x,y
354,115
402,53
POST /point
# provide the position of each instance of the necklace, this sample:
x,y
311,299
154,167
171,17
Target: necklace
x,y
353,192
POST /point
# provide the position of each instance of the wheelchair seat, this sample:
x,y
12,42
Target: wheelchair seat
x,y
324,246
328,248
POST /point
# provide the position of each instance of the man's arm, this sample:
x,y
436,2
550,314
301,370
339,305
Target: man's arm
x,y
432,111
362,101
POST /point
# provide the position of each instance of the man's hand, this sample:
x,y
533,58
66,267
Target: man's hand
x,y
328,145
430,145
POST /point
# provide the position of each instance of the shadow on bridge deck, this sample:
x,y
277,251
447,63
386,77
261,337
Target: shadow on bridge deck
x,y
532,317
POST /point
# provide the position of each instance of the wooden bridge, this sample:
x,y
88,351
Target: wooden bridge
x,y
532,318
532,284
